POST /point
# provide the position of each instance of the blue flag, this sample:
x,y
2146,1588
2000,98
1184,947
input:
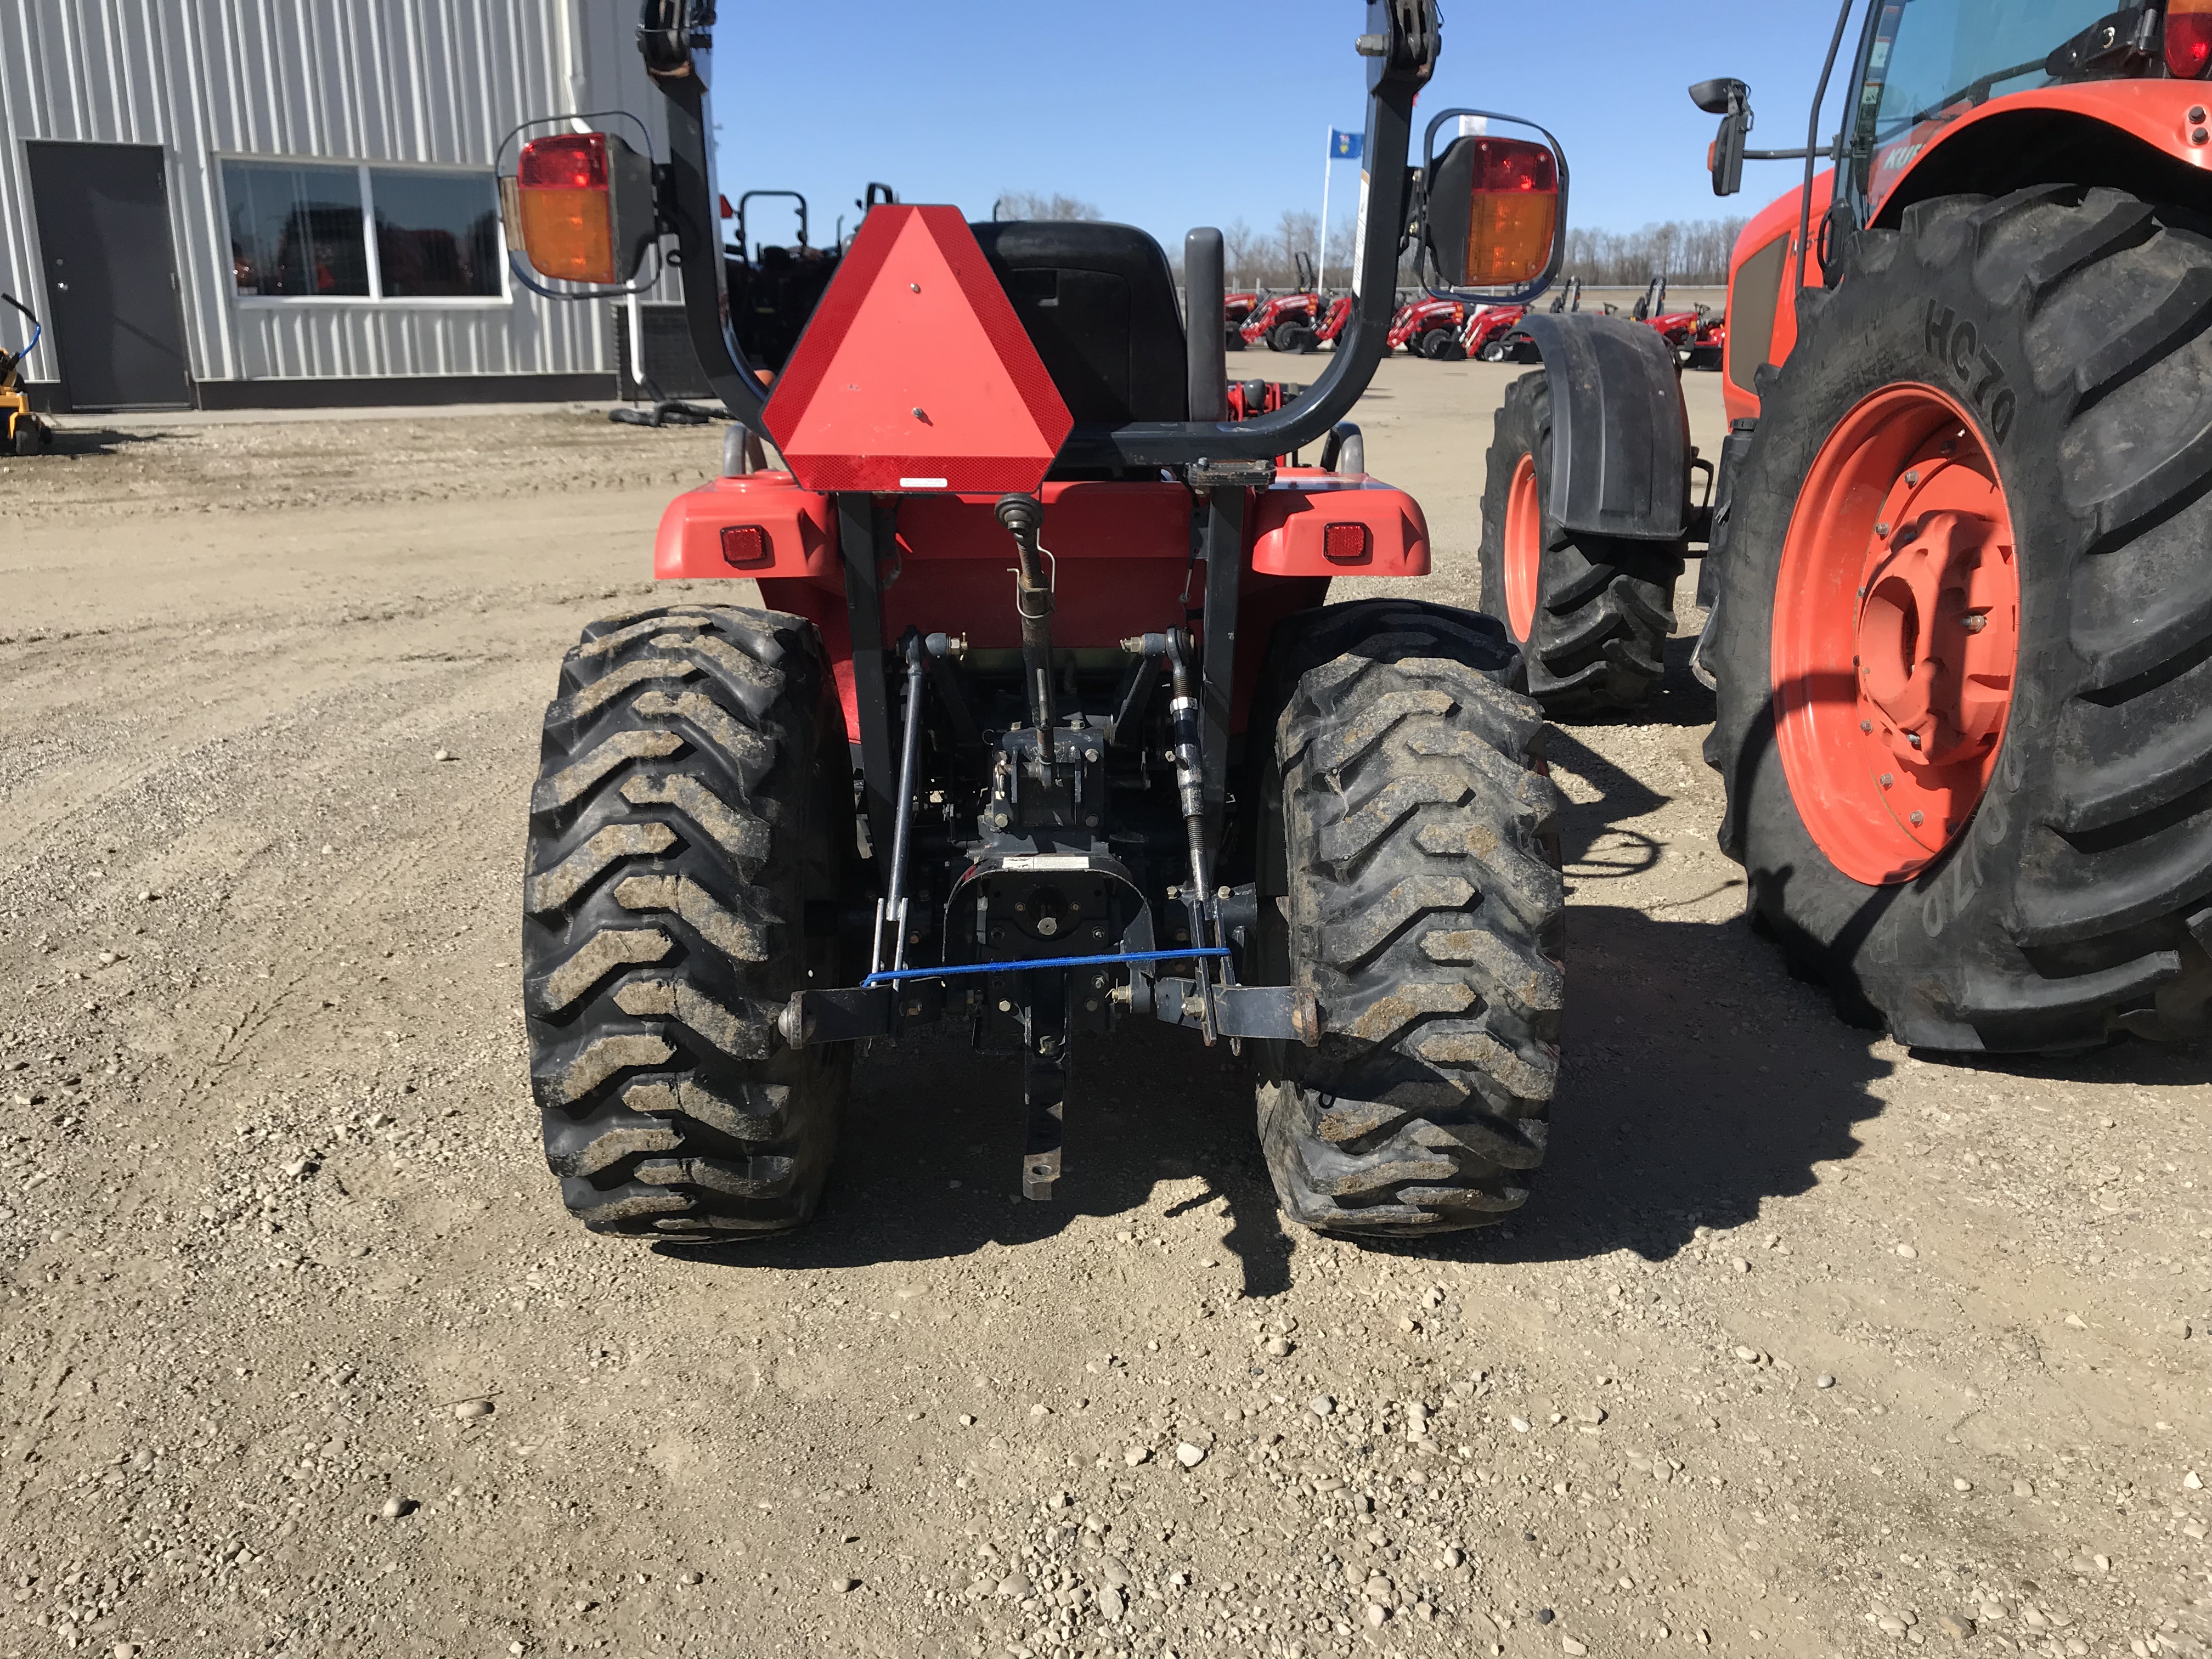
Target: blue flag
x,y
1345,146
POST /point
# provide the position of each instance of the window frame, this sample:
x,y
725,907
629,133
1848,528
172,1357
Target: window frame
x,y
376,295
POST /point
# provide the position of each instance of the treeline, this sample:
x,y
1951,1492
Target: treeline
x,y
1686,251
1692,252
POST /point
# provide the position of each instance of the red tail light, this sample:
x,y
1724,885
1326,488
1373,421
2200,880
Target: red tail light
x,y
572,161
744,546
1343,544
2188,38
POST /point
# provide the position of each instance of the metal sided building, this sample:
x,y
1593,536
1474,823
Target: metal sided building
x,y
283,203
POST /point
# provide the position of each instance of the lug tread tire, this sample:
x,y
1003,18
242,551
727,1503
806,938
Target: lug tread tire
x,y
686,812
1606,605
2078,905
1424,909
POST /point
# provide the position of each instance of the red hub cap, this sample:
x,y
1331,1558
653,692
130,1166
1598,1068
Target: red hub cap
x,y
1524,550
1896,634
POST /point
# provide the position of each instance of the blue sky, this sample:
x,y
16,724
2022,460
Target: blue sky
x,y
1170,115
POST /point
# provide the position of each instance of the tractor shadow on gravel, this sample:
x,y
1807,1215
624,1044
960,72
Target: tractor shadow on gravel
x,y
928,1159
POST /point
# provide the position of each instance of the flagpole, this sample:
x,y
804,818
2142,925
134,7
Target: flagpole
x,y
1320,254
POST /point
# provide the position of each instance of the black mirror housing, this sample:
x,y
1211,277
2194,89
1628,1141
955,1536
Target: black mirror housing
x,y
1730,99
1492,213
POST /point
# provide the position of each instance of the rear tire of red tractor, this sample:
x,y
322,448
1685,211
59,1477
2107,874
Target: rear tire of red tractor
x,y
1964,640
1409,878
1592,615
689,843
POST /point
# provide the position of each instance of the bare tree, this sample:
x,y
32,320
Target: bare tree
x,y
1297,232
1245,252
1029,204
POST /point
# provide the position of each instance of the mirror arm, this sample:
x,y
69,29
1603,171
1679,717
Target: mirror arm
x,y
688,203
1395,78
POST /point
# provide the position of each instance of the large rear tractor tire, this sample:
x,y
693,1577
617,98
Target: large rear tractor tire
x,y
1963,638
1408,876
1591,614
690,838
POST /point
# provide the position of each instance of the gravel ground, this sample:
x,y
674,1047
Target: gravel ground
x,y
1805,1347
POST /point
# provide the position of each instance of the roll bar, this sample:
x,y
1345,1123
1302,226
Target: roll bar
x,y
1399,47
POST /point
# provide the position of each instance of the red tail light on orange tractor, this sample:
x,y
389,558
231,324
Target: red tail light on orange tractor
x,y
580,207
2188,38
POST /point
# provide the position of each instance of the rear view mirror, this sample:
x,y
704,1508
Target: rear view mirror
x,y
1731,101
1496,210
580,207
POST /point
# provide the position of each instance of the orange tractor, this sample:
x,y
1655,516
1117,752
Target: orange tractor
x,y
1959,605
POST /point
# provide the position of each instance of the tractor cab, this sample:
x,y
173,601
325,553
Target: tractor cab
x,y
1961,95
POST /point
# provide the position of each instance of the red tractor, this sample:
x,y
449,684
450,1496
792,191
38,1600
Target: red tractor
x,y
1429,328
1288,322
1959,602
1698,336
1047,726
1235,309
1333,323
1489,333
1706,345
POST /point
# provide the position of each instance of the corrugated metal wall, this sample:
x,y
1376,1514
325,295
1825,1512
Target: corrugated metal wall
x,y
419,80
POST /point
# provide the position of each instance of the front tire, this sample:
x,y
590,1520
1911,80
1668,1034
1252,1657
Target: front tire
x,y
689,833
1410,879
1591,614
2035,875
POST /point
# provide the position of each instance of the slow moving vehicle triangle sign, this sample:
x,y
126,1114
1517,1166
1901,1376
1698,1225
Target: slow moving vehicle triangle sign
x,y
915,373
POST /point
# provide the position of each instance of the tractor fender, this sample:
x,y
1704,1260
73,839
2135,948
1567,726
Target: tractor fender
x,y
1620,432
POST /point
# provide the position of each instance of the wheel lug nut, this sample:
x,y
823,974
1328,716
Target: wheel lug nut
x,y
1973,623
1887,779
1916,818
1882,529
1912,478
1912,738
1866,725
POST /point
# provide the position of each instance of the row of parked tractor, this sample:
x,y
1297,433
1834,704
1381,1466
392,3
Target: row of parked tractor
x,y
1304,319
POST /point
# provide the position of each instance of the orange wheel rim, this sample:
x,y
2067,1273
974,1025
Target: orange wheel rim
x,y
1524,550
1896,634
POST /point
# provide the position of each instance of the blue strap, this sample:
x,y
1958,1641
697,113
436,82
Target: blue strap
x,y
890,974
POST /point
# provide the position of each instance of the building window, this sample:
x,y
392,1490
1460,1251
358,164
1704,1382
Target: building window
x,y
296,230
302,229
437,233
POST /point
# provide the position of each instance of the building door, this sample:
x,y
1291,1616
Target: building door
x,y
116,323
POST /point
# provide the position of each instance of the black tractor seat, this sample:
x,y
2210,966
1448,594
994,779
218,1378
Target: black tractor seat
x,y
1099,303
